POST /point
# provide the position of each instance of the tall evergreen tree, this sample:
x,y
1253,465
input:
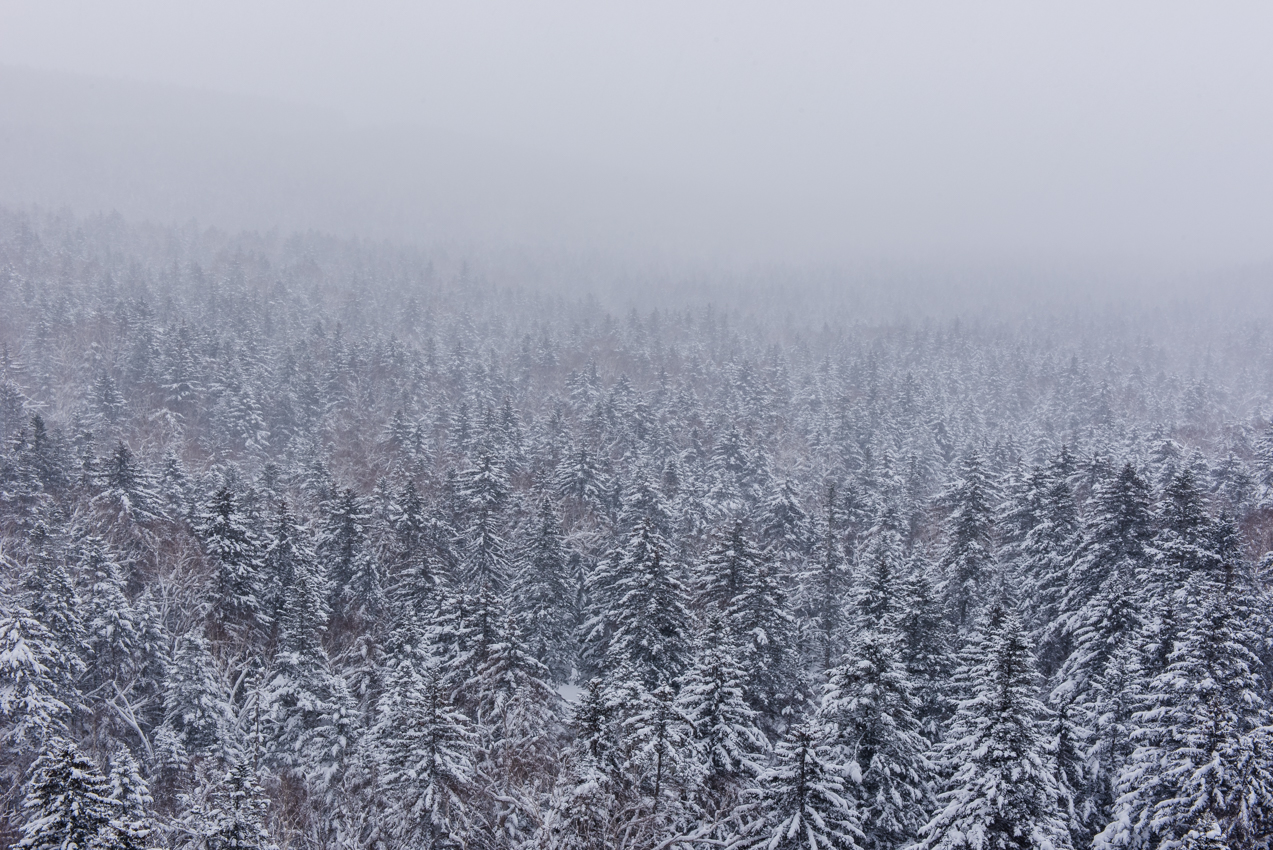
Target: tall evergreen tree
x,y
226,812
68,803
800,802
652,633
1000,790
765,634
424,753
352,570
542,599
1202,747
868,713
132,824
711,698
967,561
237,557
34,681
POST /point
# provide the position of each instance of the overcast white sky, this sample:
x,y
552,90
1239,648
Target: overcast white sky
x,y
1075,131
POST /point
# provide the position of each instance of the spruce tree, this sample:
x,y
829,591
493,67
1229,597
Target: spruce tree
x,y
132,824
765,633
999,790
68,803
711,697
800,803
34,681
237,558
198,716
227,811
424,753
868,714
651,622
1202,743
967,561
542,599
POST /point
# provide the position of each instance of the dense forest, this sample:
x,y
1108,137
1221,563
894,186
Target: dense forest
x,y
320,543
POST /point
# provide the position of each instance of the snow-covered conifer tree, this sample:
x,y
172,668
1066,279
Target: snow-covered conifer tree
x,y
542,599
800,802
967,562
999,790
68,803
868,715
712,698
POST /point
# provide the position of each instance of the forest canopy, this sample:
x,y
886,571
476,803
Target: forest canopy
x,y
311,542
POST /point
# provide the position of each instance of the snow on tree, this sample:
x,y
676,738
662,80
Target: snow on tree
x,y
823,590
424,752
113,634
729,567
350,565
784,526
583,486
800,803
68,803
128,496
307,711
711,697
652,631
765,633
486,564
52,598
33,682
518,718
237,557
1202,742
662,759
1046,551
868,714
226,811
999,789
926,637
132,823
542,599
968,562
198,717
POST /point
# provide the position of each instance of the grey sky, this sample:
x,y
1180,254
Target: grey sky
x,y
899,131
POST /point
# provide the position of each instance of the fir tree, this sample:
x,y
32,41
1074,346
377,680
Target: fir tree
x,y
711,698
765,633
306,707
354,575
425,759
868,713
1000,790
543,600
197,711
730,566
1201,751
132,824
519,717
227,812
925,637
800,802
33,682
823,595
652,625
68,803
658,739
237,556
968,560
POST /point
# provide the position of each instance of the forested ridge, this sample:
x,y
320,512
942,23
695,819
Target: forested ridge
x,y
324,543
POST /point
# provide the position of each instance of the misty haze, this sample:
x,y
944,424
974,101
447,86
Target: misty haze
x,y
564,426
